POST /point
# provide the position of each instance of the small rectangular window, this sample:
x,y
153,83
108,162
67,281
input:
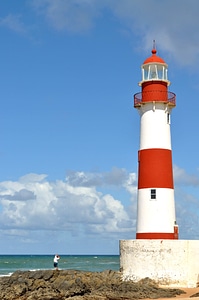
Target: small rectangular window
x,y
168,118
153,194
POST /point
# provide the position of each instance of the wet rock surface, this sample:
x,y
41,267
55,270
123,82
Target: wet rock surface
x,y
76,285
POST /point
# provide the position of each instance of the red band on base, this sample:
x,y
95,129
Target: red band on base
x,y
157,236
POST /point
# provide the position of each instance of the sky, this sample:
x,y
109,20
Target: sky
x,y
69,134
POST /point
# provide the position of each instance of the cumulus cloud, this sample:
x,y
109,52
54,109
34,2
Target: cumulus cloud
x,y
78,206
33,203
78,203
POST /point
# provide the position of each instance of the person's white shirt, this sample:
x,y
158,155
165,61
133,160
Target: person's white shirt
x,y
56,258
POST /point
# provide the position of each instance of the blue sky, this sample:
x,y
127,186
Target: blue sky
x,y
68,130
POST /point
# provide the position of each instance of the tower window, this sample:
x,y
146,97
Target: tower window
x,y
168,118
153,194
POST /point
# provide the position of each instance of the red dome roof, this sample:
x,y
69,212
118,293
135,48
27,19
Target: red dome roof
x,y
154,58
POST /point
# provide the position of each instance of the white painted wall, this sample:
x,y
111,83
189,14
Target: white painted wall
x,y
156,215
171,263
154,127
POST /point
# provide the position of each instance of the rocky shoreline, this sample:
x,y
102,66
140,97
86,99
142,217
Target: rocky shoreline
x,y
78,285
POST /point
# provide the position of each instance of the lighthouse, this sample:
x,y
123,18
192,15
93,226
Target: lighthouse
x,y
156,207
157,253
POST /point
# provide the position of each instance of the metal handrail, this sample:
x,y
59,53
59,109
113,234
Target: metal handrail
x,y
166,97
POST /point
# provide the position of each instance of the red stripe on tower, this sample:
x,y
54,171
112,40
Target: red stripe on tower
x,y
155,168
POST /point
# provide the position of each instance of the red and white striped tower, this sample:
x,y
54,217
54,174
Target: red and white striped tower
x,y
156,206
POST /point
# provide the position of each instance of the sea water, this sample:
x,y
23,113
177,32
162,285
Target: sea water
x,y
93,263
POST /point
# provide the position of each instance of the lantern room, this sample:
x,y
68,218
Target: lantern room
x,y
154,83
154,68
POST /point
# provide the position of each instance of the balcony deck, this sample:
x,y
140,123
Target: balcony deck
x,y
155,96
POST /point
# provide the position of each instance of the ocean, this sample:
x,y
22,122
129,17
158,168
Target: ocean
x,y
93,263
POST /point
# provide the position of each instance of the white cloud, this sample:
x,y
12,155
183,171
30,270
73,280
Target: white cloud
x,y
116,177
171,24
34,203
60,205
74,208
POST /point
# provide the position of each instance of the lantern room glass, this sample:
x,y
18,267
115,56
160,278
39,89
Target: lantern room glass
x,y
154,71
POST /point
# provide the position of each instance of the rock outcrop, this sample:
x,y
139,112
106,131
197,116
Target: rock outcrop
x,y
78,285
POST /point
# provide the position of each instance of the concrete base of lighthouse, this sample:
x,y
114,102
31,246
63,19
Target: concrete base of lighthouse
x,y
171,263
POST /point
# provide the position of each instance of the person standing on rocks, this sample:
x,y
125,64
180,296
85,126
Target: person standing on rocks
x,y
56,260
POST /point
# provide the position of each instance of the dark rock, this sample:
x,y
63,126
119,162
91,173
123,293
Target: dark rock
x,y
78,285
195,295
